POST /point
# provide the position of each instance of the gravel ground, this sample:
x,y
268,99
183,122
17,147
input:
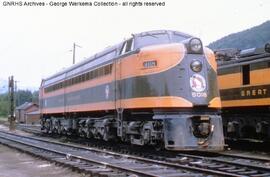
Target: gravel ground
x,y
16,164
4,127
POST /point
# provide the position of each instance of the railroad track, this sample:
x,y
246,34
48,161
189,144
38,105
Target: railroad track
x,y
29,128
259,145
230,163
181,165
220,155
94,161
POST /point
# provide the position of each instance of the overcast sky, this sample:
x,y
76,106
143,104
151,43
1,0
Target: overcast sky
x,y
35,41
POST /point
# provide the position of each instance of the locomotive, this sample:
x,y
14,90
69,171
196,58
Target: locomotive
x,y
157,88
244,83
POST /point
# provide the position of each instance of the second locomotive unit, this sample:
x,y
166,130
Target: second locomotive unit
x,y
157,88
245,92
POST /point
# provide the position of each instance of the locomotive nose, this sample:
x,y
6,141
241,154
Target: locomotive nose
x,y
202,132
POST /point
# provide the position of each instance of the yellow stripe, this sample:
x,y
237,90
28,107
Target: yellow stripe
x,y
246,102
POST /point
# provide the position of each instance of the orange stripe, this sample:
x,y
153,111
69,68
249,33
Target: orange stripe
x,y
81,86
229,81
93,106
215,103
154,102
246,102
211,59
166,55
257,77
52,110
260,77
145,102
234,80
82,108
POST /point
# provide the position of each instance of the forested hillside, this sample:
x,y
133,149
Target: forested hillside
x,y
21,96
254,37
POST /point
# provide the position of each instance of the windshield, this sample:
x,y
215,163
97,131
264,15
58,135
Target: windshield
x,y
148,39
179,37
152,39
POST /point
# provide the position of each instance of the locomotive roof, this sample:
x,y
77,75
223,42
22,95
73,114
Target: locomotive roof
x,y
88,60
162,31
231,57
115,48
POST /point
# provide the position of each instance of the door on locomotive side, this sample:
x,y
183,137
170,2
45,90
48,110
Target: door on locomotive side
x,y
120,67
119,84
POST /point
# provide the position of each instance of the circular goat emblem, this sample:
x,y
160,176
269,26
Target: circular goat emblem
x,y
197,83
107,91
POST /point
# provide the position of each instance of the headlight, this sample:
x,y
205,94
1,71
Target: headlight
x,y
196,66
195,45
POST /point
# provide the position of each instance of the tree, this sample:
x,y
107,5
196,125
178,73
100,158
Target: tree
x,y
23,96
256,36
4,104
35,97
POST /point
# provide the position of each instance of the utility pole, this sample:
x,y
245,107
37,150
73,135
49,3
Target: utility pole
x,y
11,117
74,51
16,94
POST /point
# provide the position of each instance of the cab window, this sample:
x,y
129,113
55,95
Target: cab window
x,y
179,38
152,39
127,46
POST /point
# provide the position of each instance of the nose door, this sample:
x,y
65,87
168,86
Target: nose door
x,y
198,79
